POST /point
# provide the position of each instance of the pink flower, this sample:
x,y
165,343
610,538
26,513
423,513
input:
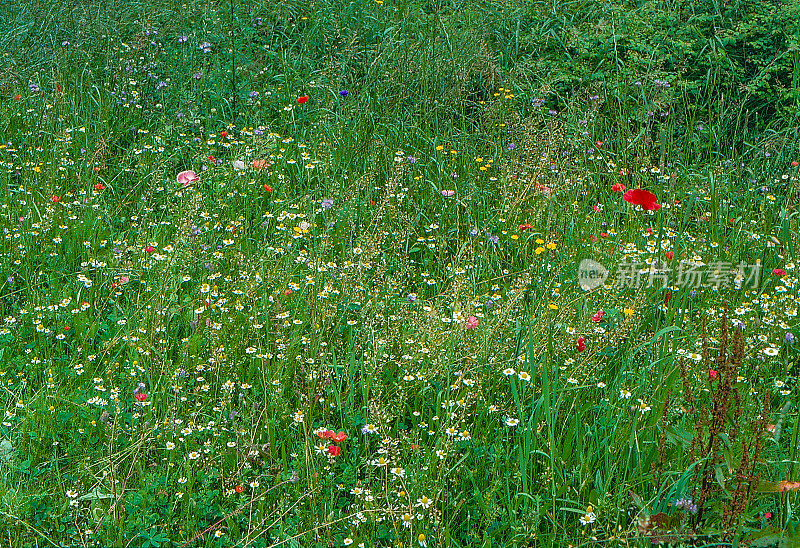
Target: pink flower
x,y
186,178
149,249
472,322
713,374
779,272
448,193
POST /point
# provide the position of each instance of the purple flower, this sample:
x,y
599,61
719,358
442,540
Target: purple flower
x,y
64,43
583,122
197,75
161,85
686,505
205,46
327,203
412,297
33,87
411,159
454,175
512,146
494,239
552,112
344,93
537,102
258,132
789,338
253,94
183,39
473,232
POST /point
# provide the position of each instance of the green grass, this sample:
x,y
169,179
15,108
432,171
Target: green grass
x,y
398,263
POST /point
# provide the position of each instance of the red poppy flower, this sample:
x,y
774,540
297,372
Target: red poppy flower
x,y
141,396
268,188
617,187
99,186
55,198
334,450
58,88
580,345
303,99
669,255
149,249
642,198
240,488
223,134
526,226
598,317
17,97
795,163
779,272
339,437
713,374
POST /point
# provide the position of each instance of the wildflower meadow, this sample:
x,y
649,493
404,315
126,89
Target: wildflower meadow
x,y
399,273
